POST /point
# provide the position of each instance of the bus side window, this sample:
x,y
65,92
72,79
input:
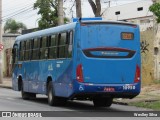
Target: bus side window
x,y
52,46
27,51
35,51
21,52
31,48
62,40
15,54
70,44
43,48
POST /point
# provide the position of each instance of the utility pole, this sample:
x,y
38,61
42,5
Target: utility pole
x,y
60,12
1,41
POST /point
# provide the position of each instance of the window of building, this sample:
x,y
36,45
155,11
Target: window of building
x,y
117,13
156,51
140,9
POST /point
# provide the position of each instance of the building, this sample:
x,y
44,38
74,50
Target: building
x,y
137,12
8,41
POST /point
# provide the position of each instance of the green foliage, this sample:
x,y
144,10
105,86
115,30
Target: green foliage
x,y
155,8
11,26
48,9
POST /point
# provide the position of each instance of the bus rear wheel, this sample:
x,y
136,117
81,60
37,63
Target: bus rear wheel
x,y
51,96
102,102
52,99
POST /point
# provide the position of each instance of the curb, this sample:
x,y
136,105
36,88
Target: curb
x,y
3,86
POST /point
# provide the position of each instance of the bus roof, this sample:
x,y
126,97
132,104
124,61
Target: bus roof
x,y
109,22
66,27
48,31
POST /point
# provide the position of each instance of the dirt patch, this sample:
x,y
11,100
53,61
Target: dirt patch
x,y
148,93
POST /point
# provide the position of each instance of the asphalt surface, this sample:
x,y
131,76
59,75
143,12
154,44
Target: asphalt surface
x,y
11,101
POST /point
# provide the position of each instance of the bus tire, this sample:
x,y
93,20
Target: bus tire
x,y
52,100
102,102
25,95
32,95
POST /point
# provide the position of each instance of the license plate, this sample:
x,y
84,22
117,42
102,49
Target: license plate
x,y
109,89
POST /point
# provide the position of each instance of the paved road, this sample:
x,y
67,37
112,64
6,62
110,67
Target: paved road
x,y
11,101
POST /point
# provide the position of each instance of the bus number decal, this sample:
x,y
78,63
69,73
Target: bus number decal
x,y
50,67
129,87
58,65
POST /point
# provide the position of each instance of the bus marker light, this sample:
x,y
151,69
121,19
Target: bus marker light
x,y
137,75
79,73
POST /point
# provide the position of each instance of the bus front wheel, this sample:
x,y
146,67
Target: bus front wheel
x,y
102,102
24,95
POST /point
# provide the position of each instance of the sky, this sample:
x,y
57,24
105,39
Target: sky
x,y
22,10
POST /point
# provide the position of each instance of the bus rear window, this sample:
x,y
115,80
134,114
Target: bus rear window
x,y
127,36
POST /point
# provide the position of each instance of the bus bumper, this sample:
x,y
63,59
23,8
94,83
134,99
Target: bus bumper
x,y
89,90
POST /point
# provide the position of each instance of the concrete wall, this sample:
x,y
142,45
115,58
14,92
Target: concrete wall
x,y
8,41
156,48
147,56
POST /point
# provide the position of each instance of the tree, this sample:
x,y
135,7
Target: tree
x,y
48,9
60,12
49,17
96,7
78,8
11,26
155,8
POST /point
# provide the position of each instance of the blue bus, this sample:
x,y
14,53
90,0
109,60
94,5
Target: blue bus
x,y
85,60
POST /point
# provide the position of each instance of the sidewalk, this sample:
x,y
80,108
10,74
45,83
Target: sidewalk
x,y
7,83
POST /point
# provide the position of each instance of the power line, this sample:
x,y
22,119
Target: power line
x,y
28,7
17,8
18,13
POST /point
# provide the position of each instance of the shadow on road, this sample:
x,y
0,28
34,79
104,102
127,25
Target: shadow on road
x,y
75,105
